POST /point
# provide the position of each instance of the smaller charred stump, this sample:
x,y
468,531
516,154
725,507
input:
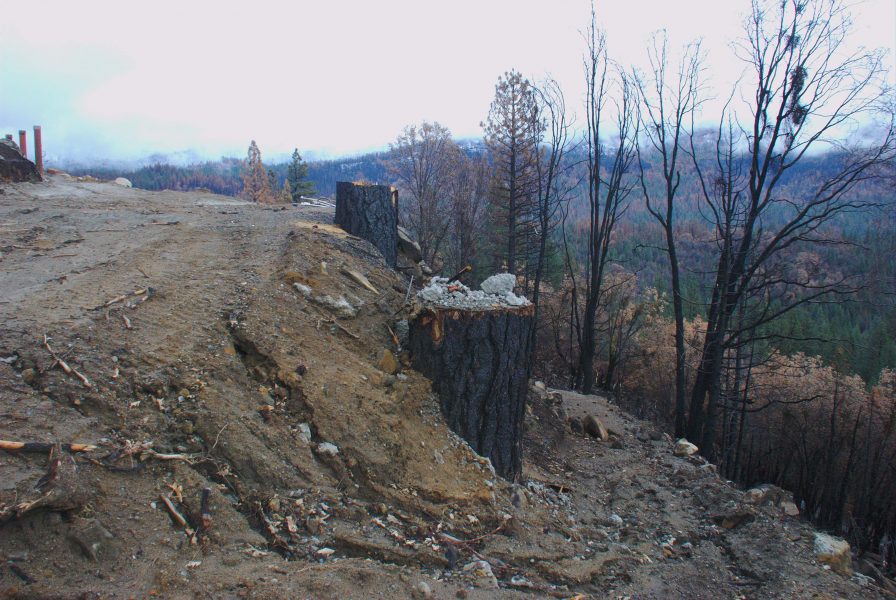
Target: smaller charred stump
x,y
478,363
368,211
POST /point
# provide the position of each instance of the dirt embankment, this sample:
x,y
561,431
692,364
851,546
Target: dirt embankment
x,y
253,440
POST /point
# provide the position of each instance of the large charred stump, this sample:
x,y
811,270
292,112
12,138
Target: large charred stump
x,y
477,361
368,211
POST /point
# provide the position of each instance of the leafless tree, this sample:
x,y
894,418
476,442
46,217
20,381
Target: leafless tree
x,y
668,102
807,88
423,161
609,183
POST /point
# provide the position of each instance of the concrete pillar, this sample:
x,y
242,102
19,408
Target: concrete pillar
x,y
23,142
38,159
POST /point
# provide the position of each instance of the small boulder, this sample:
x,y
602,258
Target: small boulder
x,y
408,246
684,448
123,182
789,508
483,574
834,552
499,285
340,306
327,449
388,363
595,428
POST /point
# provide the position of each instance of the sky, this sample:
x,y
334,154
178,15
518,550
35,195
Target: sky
x,y
122,80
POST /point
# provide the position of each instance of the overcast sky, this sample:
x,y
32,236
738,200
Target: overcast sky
x,y
124,79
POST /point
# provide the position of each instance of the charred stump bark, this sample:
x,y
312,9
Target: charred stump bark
x,y
369,212
477,361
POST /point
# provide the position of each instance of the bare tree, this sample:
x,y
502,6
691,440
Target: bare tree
x,y
552,189
423,159
807,89
608,181
668,102
469,199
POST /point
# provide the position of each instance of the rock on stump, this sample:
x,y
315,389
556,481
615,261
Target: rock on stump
x,y
477,360
369,212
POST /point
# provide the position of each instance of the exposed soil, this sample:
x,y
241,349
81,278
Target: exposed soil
x,y
215,372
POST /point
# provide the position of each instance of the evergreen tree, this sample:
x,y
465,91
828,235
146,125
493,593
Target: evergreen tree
x,y
297,177
256,185
512,133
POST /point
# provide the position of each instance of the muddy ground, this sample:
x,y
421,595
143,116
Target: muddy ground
x,y
250,442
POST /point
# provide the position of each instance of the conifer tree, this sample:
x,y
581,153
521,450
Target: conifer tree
x,y
256,185
297,177
512,133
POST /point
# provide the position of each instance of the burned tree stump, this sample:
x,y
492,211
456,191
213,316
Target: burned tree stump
x,y
478,363
368,211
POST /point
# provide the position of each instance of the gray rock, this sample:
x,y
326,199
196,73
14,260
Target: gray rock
x,y
499,284
340,306
328,449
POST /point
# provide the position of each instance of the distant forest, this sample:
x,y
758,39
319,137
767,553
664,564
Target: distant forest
x,y
225,176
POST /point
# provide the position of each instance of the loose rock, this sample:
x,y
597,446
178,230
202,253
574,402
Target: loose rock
x,y
834,552
387,362
595,428
684,448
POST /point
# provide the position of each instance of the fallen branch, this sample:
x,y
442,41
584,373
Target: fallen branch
x,y
10,446
360,279
64,365
127,322
458,275
394,337
178,518
124,297
325,319
205,515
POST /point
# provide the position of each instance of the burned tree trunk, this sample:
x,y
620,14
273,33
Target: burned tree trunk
x,y
369,212
477,360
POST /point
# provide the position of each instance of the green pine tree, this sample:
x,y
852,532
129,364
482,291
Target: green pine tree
x,y
297,177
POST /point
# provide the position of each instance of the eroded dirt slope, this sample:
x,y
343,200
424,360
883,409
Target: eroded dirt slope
x,y
264,413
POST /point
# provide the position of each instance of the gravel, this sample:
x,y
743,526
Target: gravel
x,y
496,292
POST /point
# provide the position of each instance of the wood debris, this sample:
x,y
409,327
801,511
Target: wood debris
x,y
10,446
140,296
360,279
178,518
64,365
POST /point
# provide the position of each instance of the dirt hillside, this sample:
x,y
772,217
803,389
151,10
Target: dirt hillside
x,y
259,435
